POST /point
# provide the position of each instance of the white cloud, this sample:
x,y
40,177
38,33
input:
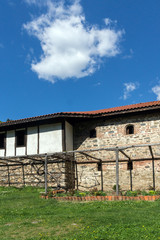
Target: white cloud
x,y
128,88
71,47
156,90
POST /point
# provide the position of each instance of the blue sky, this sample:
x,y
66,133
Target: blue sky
x,y
77,55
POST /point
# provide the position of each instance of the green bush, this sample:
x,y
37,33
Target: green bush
x,y
114,187
100,193
131,193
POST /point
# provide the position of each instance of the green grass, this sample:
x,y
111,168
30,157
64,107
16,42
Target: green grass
x,y
23,215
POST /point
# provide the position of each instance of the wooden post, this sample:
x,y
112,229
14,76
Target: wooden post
x,y
72,173
23,175
8,176
76,170
153,173
117,171
101,177
45,173
130,179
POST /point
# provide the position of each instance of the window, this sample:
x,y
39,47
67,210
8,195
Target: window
x,y
129,129
93,133
20,138
2,140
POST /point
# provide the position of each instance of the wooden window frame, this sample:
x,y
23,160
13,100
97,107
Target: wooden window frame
x,y
17,133
4,140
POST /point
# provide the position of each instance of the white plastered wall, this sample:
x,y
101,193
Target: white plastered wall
x,y
69,136
2,151
32,140
10,143
50,138
20,151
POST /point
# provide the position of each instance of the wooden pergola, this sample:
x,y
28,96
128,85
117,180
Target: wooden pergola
x,y
40,162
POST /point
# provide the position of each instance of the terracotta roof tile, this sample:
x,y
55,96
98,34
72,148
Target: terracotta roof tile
x,y
86,113
124,108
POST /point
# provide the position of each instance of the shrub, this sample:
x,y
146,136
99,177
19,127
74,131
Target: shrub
x,y
100,193
131,193
151,192
144,193
114,187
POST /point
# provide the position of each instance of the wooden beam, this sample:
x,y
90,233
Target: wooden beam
x,y
130,179
45,175
125,154
117,171
8,176
153,173
23,175
139,145
76,171
101,176
88,155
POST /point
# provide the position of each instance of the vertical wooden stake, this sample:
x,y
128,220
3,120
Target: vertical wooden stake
x,y
76,170
23,175
72,173
117,171
8,176
153,175
45,175
130,179
101,177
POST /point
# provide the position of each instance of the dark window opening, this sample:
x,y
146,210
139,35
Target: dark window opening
x,y
99,165
130,165
130,129
2,140
93,133
20,138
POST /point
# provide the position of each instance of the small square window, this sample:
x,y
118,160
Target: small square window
x,y
20,138
93,133
2,140
130,129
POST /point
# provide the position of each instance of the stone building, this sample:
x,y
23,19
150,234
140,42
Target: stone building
x,y
91,138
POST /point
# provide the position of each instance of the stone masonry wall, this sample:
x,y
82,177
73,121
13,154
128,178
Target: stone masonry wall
x,y
112,133
33,175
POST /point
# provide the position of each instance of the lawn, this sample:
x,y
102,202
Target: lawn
x,y
23,215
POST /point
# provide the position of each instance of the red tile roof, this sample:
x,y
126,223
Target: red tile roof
x,y
103,112
122,108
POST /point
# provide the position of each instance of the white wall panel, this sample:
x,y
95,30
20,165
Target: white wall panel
x,y
50,138
32,140
2,151
10,143
69,136
20,151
